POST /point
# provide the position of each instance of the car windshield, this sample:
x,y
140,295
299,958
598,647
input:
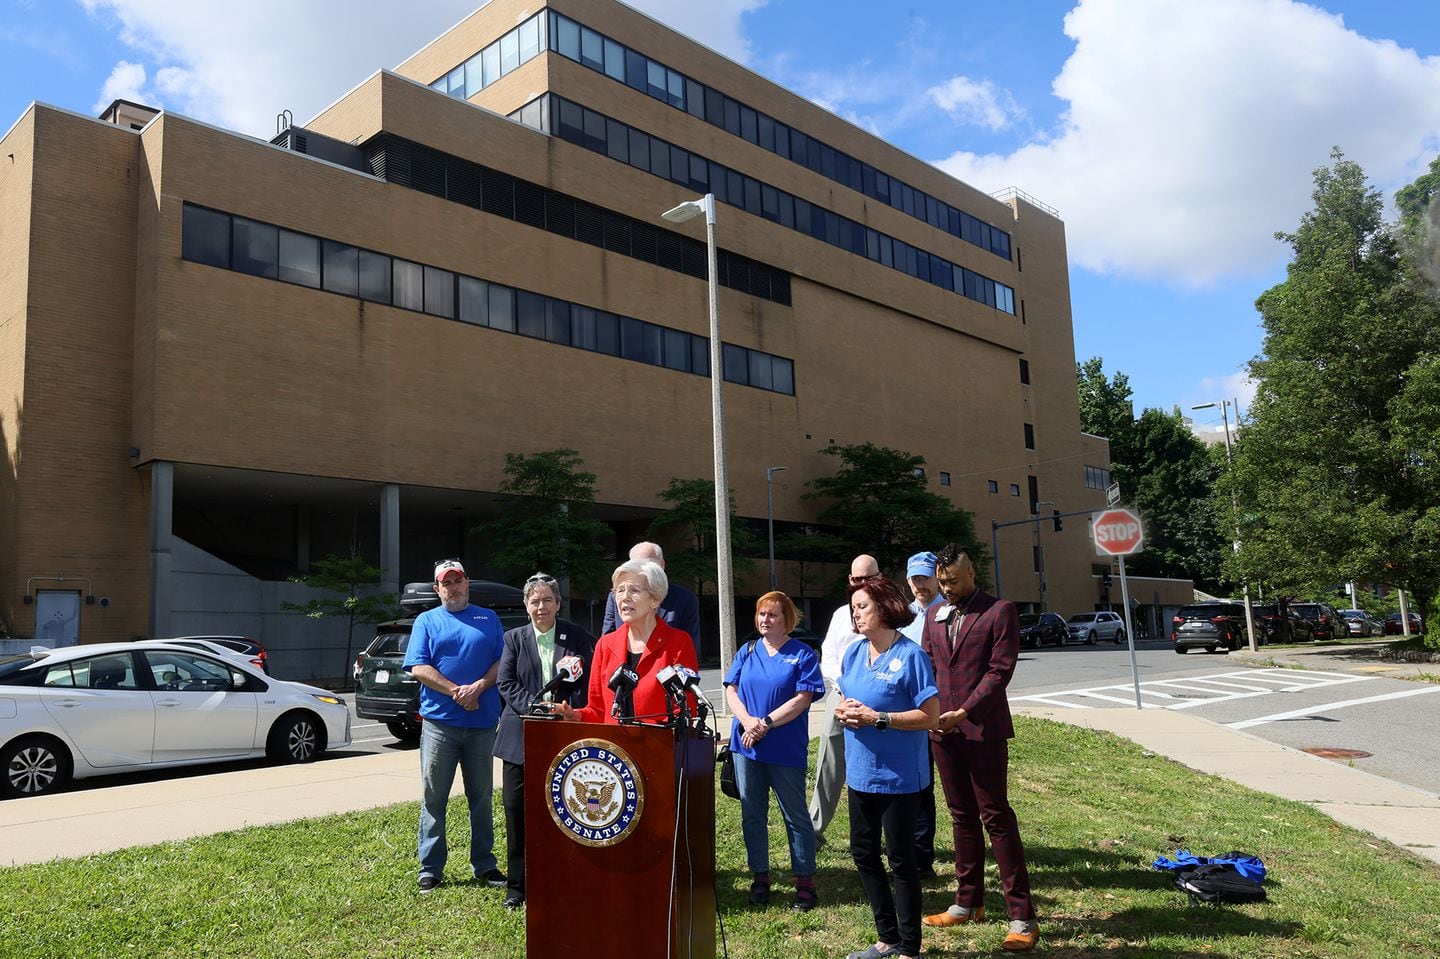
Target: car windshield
x,y
1307,612
10,665
1029,619
1352,614
1083,618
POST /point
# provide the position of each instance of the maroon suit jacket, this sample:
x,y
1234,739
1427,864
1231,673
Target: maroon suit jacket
x,y
973,675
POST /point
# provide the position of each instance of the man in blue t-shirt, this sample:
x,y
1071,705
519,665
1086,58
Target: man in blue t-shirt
x,y
455,652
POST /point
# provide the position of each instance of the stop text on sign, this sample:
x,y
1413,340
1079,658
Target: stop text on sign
x,y
1117,532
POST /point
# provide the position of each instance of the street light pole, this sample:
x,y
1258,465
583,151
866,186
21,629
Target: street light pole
x,y
770,472
1235,507
724,587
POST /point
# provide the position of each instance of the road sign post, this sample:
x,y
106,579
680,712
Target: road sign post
x,y
1118,532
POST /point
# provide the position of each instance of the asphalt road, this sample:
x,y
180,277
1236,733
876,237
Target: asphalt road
x,y
1392,720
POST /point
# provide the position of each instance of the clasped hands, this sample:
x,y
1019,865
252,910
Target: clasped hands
x,y
467,696
853,714
752,731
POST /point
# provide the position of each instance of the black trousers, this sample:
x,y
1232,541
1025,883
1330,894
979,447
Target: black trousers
x,y
888,818
512,797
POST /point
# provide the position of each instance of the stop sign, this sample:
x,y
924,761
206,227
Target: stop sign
x,y
1117,532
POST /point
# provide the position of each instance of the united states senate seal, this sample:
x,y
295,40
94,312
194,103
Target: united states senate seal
x,y
595,792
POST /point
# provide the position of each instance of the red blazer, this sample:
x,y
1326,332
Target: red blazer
x,y
668,646
973,675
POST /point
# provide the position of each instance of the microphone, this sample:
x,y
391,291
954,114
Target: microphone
x,y
673,679
567,673
622,683
691,681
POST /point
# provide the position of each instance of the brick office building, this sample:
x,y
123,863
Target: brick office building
x,y
221,357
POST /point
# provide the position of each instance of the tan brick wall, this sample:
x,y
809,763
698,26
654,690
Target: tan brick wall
x,y
17,168
82,515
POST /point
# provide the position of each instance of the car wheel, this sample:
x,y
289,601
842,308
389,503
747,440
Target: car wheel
x,y
296,738
1090,638
1182,650
34,766
1119,636
1210,649
406,730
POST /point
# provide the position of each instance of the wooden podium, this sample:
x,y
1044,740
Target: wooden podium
x,y
619,842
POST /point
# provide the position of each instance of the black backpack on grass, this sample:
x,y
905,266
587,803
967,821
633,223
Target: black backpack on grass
x,y
1216,883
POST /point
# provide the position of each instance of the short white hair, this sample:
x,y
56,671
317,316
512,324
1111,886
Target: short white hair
x,y
656,582
648,550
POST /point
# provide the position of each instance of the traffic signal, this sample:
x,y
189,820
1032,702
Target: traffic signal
x,y
1058,525
1105,579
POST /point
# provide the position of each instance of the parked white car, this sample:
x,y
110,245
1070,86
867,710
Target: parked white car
x,y
94,710
1089,627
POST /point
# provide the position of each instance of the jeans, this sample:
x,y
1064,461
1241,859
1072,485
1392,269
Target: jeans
x,y
897,913
829,769
755,780
442,748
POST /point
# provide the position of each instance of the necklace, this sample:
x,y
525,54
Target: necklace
x,y
880,656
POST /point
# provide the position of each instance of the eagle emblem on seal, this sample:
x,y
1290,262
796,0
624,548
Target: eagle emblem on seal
x,y
592,800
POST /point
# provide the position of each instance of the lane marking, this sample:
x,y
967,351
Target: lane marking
x,y
1221,687
1329,707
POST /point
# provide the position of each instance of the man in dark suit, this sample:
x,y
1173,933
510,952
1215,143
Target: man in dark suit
x,y
680,609
532,655
974,640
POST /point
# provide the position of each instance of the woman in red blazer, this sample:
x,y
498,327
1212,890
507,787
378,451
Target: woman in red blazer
x,y
643,641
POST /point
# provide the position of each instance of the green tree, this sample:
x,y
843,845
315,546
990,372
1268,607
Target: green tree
x,y
1106,408
691,520
878,500
544,520
354,587
1337,471
806,549
1165,473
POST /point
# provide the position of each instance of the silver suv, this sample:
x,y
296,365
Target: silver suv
x,y
1089,627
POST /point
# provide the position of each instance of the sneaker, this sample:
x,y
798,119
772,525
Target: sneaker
x,y
493,878
759,894
514,901
428,883
805,899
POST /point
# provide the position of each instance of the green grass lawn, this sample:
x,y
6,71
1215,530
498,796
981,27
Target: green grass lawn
x,y
1094,811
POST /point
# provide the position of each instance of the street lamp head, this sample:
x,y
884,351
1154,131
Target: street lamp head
x,y
1205,406
691,209
772,470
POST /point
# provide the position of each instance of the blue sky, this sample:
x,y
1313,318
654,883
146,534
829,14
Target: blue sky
x,y
1174,136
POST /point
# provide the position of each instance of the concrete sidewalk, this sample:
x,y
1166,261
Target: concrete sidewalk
x,y
1361,658
107,818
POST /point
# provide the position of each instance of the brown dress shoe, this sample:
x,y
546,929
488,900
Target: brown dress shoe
x,y
947,918
1021,941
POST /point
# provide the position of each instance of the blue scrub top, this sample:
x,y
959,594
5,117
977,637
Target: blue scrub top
x,y
764,683
892,761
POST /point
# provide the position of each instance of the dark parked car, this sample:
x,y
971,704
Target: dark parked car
x,y
1392,625
1276,623
1037,629
1209,626
1323,619
1361,624
383,689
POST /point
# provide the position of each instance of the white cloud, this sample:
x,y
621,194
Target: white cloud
x,y
1237,386
1192,129
975,103
240,64
126,82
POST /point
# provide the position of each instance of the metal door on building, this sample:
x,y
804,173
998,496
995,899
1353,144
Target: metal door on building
x,y
57,617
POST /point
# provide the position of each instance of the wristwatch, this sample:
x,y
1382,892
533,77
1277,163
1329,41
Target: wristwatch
x,y
882,721
767,720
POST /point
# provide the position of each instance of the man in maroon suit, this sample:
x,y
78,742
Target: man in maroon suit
x,y
973,640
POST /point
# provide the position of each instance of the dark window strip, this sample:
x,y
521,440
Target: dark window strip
x,y
670,162
768,133
232,242
462,181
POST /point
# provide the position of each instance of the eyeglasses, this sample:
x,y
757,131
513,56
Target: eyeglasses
x,y
629,590
453,583
541,578
857,580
